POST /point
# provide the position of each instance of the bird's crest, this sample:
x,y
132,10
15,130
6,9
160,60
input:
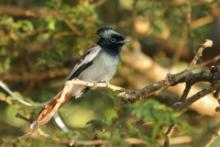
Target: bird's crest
x,y
101,31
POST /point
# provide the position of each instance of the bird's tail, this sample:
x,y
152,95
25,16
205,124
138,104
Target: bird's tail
x,y
50,109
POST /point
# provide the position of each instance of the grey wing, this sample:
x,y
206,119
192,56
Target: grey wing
x,y
86,61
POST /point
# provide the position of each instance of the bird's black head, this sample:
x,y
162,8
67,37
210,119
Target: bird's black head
x,y
110,38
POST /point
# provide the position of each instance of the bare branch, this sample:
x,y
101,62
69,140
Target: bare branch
x,y
36,76
21,11
168,135
208,43
18,99
215,135
197,96
56,117
95,85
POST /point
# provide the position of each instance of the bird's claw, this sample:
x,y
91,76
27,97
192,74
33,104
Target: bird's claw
x,y
107,84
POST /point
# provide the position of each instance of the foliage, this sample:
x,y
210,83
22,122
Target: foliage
x,y
38,51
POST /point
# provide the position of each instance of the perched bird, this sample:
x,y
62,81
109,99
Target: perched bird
x,y
98,64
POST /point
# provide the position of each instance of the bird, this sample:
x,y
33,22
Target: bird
x,y
98,64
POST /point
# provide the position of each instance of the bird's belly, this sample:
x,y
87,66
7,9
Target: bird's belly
x,y
102,69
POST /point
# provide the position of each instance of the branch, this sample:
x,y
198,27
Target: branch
x,y
18,99
95,85
213,138
208,43
26,12
56,117
168,134
36,76
173,79
197,96
129,140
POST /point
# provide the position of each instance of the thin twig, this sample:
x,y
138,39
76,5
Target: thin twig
x,y
211,61
25,12
18,99
215,135
208,43
168,135
172,79
36,76
56,117
98,3
197,96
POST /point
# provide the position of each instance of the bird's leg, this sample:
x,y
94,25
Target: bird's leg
x,y
94,84
112,87
107,84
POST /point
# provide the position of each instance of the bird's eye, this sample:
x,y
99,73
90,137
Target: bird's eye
x,y
113,40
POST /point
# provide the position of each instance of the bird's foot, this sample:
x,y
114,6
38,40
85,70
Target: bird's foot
x,y
105,84
108,85
94,84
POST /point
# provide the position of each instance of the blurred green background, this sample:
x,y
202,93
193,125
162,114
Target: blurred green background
x,y
41,40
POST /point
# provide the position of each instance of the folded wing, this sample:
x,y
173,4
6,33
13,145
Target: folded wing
x,y
86,60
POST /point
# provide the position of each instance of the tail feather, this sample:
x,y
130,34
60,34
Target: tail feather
x,y
56,102
51,108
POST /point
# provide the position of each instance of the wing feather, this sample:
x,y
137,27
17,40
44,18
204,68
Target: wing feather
x,y
85,62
